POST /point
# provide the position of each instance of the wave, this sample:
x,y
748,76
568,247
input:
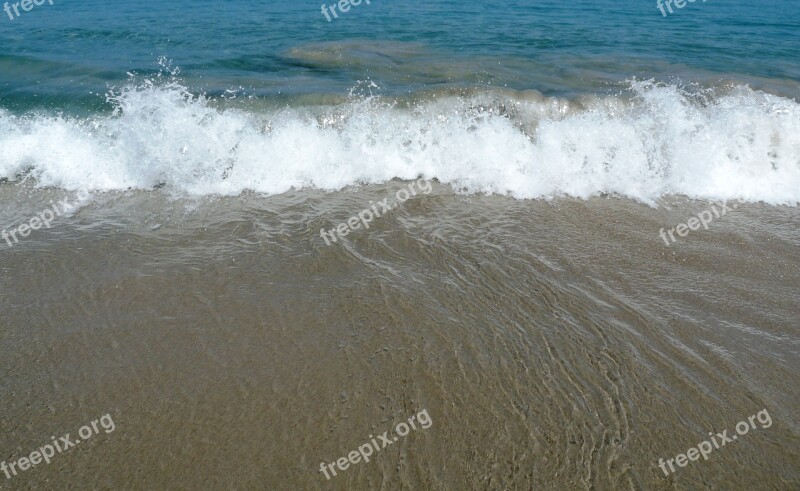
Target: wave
x,y
657,139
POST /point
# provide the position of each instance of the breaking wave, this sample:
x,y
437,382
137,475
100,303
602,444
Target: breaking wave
x,y
655,140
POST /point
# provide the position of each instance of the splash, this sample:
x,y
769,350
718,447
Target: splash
x,y
657,140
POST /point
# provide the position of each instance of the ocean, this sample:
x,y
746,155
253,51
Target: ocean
x,y
259,234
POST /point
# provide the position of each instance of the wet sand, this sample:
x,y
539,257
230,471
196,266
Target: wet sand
x,y
555,345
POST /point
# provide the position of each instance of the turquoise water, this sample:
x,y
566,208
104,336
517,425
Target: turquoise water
x,y
65,51
530,100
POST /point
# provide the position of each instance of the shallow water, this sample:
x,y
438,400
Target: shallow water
x,y
555,344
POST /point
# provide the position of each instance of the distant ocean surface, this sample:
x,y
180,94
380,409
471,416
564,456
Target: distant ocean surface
x,y
529,99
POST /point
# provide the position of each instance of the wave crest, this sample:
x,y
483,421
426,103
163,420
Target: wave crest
x,y
655,141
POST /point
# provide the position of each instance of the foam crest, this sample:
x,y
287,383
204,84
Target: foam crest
x,y
656,141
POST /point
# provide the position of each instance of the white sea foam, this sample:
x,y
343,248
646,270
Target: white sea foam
x,y
741,145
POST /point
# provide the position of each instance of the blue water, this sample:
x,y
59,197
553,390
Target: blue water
x,y
60,53
528,99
